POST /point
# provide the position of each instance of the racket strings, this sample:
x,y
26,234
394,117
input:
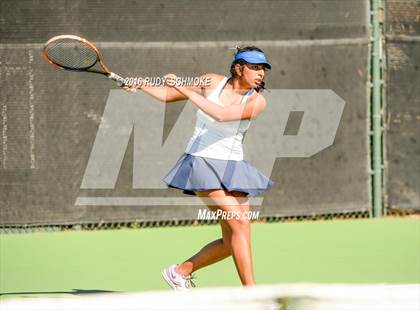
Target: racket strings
x,y
71,54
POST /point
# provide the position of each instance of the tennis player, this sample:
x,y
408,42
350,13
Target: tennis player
x,y
212,166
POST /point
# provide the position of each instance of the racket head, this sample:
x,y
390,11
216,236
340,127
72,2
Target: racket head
x,y
73,53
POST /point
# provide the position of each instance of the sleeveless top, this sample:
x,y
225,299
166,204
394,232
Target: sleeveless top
x,y
218,140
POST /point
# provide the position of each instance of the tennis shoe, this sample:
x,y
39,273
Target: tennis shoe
x,y
176,280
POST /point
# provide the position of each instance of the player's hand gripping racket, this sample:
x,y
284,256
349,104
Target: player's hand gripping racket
x,y
77,54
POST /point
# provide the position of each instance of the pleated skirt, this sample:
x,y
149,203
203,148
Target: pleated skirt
x,y
195,174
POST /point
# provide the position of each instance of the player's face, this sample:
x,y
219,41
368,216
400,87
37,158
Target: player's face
x,y
253,74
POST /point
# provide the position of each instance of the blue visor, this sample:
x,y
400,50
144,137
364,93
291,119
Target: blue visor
x,y
253,57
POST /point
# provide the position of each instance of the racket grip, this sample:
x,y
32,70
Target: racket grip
x,y
120,80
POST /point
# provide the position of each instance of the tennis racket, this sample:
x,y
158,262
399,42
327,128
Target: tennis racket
x,y
74,53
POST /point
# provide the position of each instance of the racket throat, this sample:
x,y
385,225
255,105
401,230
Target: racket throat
x,y
116,78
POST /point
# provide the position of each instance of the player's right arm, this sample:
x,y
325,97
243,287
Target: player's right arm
x,y
163,93
169,94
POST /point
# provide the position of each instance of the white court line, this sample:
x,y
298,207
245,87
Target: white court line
x,y
311,296
151,201
207,44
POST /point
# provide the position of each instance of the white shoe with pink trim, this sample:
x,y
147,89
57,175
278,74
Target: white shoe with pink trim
x,y
176,280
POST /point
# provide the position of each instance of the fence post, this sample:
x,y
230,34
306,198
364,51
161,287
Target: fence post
x,y
377,82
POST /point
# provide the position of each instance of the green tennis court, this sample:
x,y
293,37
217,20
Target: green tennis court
x,y
339,251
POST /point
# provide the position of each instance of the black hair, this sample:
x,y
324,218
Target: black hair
x,y
242,62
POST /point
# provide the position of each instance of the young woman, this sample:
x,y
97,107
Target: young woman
x,y
212,166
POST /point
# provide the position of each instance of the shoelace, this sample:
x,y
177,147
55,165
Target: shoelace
x,y
189,279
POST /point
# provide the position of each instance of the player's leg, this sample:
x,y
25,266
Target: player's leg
x,y
241,244
236,233
211,253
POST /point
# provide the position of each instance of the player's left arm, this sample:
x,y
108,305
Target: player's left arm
x,y
248,110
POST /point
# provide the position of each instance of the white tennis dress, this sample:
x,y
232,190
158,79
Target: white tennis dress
x,y
213,158
218,140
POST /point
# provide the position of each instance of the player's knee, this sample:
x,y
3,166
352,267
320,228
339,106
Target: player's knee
x,y
239,224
